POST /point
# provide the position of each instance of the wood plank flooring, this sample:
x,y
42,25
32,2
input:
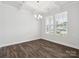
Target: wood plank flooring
x,y
38,49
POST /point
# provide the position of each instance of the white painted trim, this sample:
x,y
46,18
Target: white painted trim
x,y
73,46
35,38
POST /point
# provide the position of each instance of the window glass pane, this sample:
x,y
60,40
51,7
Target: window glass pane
x,y
47,21
49,24
61,23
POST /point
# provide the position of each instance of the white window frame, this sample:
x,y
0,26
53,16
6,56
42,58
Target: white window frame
x,y
49,23
54,19
61,18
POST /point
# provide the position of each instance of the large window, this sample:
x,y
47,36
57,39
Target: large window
x,y
49,24
61,23
60,27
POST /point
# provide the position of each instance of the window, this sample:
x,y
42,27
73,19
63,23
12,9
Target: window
x,y
57,24
49,27
61,23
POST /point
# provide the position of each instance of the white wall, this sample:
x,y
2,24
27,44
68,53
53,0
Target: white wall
x,y
72,38
17,26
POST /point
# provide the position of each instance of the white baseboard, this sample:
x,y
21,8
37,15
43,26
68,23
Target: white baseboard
x,y
30,39
35,38
65,44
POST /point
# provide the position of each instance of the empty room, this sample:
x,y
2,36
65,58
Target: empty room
x,y
39,29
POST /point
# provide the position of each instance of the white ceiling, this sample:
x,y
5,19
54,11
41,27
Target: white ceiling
x,y
37,6
16,4
41,6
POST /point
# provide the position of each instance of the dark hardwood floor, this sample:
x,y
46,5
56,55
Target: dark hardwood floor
x,y
38,49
